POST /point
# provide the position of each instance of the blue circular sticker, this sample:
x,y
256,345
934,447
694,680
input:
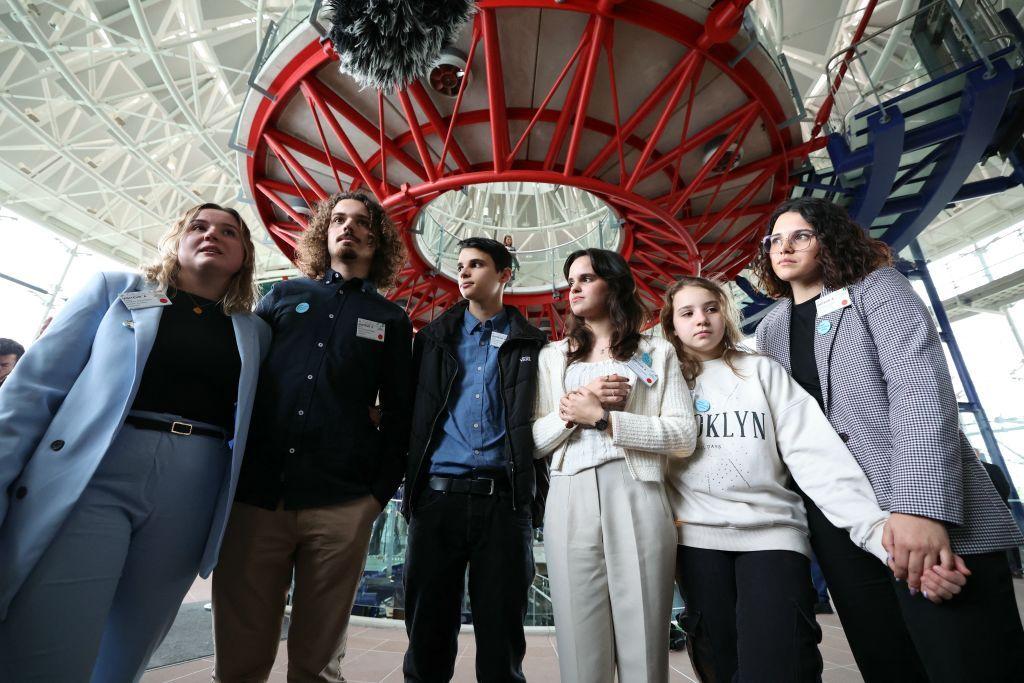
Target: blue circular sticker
x,y
302,308
824,326
702,405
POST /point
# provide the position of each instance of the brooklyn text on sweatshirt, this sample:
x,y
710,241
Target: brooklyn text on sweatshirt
x,y
755,430
733,424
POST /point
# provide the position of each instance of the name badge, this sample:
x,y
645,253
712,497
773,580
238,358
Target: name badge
x,y
146,299
369,329
497,339
833,302
642,370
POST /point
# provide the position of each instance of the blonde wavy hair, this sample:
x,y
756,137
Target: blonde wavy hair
x,y
731,349
241,294
313,258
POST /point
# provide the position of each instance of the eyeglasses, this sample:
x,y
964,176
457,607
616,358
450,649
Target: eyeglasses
x,y
799,240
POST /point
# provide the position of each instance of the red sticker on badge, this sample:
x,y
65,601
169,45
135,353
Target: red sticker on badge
x,y
380,336
649,380
163,301
845,302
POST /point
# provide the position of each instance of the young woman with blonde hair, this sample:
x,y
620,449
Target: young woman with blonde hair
x,y
121,436
743,557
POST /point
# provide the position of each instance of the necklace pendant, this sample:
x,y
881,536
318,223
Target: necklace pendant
x,y
197,310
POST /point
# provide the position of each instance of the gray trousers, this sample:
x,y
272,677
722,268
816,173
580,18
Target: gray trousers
x,y
106,591
610,544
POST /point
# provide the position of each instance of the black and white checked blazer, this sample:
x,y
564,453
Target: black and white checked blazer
x,y
888,393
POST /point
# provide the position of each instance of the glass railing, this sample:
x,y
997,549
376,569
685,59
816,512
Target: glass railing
x,y
937,44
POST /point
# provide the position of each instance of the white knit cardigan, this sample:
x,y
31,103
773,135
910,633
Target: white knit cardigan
x,y
657,422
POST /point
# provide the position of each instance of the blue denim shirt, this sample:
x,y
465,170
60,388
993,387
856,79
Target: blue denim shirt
x,y
473,435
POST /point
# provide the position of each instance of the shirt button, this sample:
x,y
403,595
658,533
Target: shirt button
x,y
478,396
56,445
479,368
330,315
476,425
309,376
476,452
302,412
291,450
321,345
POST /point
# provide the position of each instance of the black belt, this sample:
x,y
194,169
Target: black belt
x,y
173,426
478,486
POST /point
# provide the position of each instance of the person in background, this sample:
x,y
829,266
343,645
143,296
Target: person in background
x,y
10,353
1002,484
121,437
855,335
318,471
612,412
473,491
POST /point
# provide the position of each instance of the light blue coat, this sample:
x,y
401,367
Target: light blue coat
x,y
76,385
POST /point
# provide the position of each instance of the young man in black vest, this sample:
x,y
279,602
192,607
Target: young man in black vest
x,y
473,489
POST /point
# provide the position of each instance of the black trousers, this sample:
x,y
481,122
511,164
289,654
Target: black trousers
x,y
447,533
894,636
749,615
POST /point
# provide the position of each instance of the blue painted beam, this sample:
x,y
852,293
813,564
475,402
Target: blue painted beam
x,y
981,188
886,139
981,109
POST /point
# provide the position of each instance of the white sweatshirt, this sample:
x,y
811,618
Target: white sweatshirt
x,y
656,424
754,431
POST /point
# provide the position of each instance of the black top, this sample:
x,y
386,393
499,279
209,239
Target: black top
x,y
995,473
801,348
193,368
312,441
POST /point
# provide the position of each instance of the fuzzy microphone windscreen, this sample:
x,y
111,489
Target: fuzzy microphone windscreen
x,y
387,44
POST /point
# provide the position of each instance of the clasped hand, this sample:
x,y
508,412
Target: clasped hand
x,y
920,554
586,405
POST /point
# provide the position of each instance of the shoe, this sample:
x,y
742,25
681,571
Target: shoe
x,y
823,608
1017,574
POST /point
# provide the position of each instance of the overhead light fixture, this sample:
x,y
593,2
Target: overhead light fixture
x,y
447,75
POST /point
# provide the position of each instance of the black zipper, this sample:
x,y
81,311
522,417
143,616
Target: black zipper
x,y
433,425
508,439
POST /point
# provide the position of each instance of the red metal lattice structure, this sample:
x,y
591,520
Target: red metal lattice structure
x,y
679,217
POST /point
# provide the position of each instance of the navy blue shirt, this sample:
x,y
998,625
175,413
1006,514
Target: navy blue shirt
x,y
473,434
337,345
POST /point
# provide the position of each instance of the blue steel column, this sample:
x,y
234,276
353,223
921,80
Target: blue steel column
x,y
973,403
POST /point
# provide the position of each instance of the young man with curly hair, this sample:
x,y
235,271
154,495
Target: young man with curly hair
x,y
319,469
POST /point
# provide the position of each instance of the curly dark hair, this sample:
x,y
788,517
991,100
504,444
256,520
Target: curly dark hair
x,y
313,258
846,252
625,309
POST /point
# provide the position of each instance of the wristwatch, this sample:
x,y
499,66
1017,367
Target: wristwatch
x,y
602,424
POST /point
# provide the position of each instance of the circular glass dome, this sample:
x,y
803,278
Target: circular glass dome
x,y
544,223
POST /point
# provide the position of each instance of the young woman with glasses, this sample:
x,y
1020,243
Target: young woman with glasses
x,y
856,336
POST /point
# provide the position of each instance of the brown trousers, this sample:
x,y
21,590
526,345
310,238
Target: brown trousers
x,y
326,548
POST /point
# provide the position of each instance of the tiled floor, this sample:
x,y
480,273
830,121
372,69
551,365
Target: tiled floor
x,y
375,656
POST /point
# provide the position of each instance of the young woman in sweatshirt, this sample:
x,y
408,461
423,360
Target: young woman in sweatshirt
x,y
612,408
853,332
743,557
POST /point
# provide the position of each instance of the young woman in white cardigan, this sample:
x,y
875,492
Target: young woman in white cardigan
x,y
612,410
743,561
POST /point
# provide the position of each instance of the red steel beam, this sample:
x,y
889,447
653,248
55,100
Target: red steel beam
x,y
417,134
688,77
826,106
604,23
495,88
291,165
422,97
